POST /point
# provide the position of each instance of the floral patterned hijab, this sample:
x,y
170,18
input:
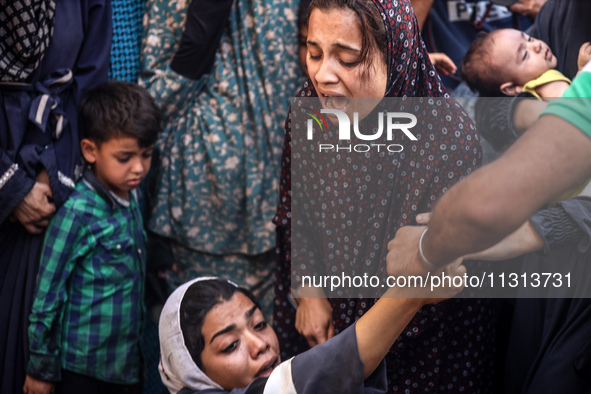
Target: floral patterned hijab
x,y
410,72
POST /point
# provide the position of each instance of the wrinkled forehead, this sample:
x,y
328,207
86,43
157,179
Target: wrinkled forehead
x,y
227,315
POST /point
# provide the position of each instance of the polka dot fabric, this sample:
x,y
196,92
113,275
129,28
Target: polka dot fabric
x,y
448,347
410,72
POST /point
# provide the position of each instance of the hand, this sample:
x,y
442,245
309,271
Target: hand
x,y
584,55
35,386
314,318
35,210
403,257
447,288
423,218
437,286
527,7
443,64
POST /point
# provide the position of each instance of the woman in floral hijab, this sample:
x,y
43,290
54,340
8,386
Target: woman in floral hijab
x,y
346,205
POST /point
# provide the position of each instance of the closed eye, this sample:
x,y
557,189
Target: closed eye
x,y
349,64
231,347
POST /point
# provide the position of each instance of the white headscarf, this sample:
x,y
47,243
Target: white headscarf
x,y
177,368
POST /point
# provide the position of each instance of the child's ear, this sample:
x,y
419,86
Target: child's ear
x,y
89,150
511,89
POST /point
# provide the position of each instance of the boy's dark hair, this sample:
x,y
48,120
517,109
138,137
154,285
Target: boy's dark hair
x,y
118,109
476,69
199,299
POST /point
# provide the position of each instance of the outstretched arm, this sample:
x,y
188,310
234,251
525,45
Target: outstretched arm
x,y
527,7
422,8
495,200
392,313
346,362
498,198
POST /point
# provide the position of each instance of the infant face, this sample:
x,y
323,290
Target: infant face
x,y
519,57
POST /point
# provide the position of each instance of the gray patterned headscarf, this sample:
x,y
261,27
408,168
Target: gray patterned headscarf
x,y
26,28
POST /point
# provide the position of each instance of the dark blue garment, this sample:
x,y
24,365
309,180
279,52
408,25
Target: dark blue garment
x,y
80,43
450,28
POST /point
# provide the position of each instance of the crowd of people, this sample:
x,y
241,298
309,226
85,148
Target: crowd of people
x,y
158,180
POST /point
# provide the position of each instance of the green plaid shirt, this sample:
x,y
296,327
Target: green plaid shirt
x,y
88,304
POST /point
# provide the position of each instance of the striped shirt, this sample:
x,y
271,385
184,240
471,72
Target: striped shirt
x,y
88,305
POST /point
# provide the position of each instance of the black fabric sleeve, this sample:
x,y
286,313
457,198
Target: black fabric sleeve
x,y
335,367
257,387
205,23
494,121
569,222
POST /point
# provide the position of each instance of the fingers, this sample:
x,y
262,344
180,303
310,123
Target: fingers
x,y
35,386
584,55
518,8
443,63
527,7
35,210
314,320
33,229
447,66
43,223
47,203
330,331
455,268
314,335
423,218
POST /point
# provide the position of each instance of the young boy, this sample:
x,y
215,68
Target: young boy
x,y
84,328
508,62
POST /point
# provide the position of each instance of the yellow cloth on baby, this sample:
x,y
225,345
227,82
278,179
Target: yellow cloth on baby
x,y
547,77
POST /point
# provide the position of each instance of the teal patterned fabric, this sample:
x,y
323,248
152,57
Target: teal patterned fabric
x,y
124,64
217,182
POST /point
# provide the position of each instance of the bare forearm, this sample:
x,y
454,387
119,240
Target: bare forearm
x,y
422,8
379,327
523,240
526,113
498,198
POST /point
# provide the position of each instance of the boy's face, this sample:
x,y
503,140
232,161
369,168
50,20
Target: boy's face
x,y
119,163
520,58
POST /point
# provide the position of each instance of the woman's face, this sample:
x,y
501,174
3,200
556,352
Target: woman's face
x,y
334,48
239,344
